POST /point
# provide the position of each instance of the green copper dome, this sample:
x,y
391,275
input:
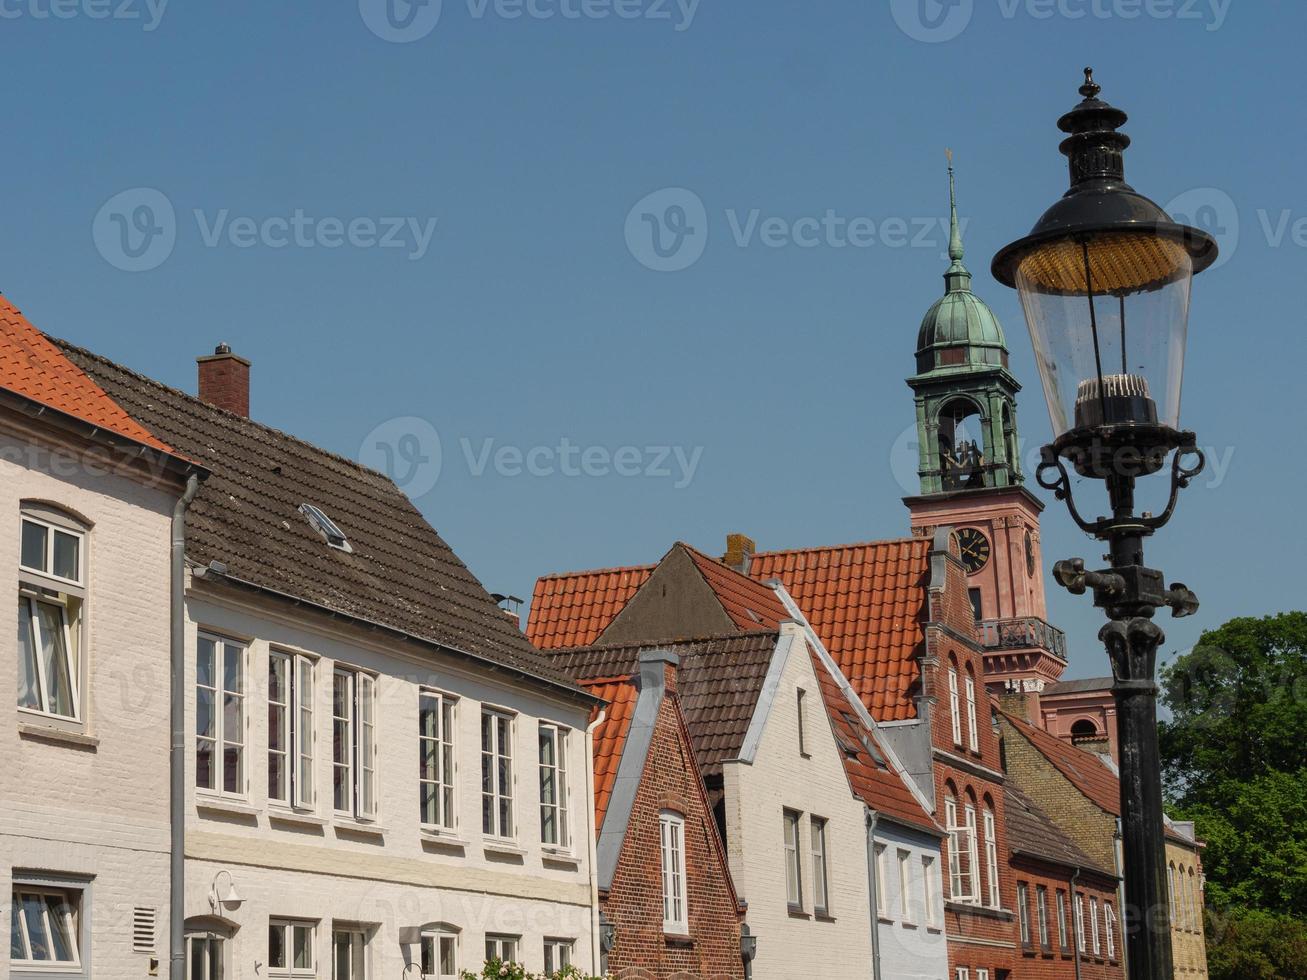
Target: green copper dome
x,y
959,330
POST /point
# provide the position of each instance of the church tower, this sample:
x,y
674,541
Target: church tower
x,y
971,478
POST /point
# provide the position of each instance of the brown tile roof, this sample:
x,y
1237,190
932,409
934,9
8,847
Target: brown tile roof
x,y
401,574
750,604
719,680
33,366
868,604
610,737
571,609
1093,779
1031,832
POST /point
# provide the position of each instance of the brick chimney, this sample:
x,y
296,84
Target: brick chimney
x,y
1022,701
739,551
225,380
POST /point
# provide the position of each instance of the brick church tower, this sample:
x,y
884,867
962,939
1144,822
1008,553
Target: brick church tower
x,y
971,479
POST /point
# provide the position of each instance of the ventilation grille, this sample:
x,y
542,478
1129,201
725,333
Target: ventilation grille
x,y
143,930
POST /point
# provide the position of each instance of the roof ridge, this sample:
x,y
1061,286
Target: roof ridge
x,y
744,637
596,571
909,539
208,406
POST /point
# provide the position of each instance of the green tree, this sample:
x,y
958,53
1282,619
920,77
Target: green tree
x,y
1251,945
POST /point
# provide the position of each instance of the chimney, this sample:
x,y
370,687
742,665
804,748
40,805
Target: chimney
x,y
1022,700
658,670
225,380
739,551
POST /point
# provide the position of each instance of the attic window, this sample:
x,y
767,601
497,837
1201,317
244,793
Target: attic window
x,y
325,526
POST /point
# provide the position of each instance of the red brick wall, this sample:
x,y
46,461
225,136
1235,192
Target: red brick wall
x,y
634,903
225,382
1035,962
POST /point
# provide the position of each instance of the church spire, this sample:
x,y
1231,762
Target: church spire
x,y
957,279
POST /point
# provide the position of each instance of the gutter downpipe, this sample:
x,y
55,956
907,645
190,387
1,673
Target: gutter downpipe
x,y
177,754
596,951
873,889
1075,924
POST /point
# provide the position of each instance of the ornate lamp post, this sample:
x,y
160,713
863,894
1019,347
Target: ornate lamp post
x,y
1104,279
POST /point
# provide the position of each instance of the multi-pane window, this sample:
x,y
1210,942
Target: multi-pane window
x,y
353,744
553,786
50,598
973,729
793,867
1080,923
1064,938
928,890
1023,911
820,875
671,831
882,889
440,955
290,729
290,949
204,956
1041,916
955,707
905,886
982,975
991,859
496,774
963,973
349,954
961,850
45,927
973,852
219,715
1109,922
502,948
436,760
558,955
1093,926
1170,892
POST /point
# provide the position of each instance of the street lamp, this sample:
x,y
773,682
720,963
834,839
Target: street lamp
x,y
1104,279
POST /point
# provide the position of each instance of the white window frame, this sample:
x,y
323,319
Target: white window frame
x,y
1079,923
982,974
820,866
991,859
802,703
973,852
955,707
357,938
963,973
676,905
72,916
558,955
1109,923
289,928
962,880
433,941
906,912
296,729
791,821
221,648
1023,912
928,890
555,737
973,729
499,945
1041,912
1093,925
1063,910
500,821
440,747
65,595
1170,892
211,945
882,886
357,774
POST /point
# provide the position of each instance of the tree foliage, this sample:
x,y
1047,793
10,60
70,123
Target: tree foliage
x,y
1252,945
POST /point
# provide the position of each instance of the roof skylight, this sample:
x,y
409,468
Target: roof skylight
x,y
325,526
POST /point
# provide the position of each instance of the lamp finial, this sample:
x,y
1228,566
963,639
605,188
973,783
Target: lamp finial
x,y
1091,88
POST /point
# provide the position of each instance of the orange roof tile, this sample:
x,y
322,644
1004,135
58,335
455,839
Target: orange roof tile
x,y
867,602
32,366
571,609
1082,768
750,604
610,737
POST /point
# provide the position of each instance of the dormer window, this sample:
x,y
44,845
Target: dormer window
x,y
325,526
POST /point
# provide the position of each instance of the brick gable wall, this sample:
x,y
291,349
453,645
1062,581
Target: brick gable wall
x,y
1033,962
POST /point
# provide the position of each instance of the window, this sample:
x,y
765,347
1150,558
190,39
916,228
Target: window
x,y
553,786
1170,892
882,886
793,871
1064,939
973,732
982,975
290,729
45,927
348,954
928,892
50,598
204,956
973,855
440,955
325,526
1109,922
1093,926
1041,917
820,882
963,973
290,949
436,760
955,708
1080,923
803,723
496,774
558,955
977,609
502,948
671,827
220,715
354,744
991,859
905,887
1023,911
961,845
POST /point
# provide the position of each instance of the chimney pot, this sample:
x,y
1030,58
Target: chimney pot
x,y
225,380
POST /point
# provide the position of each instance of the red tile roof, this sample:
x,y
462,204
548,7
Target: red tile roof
x,y
610,737
867,603
32,366
750,604
571,609
1085,771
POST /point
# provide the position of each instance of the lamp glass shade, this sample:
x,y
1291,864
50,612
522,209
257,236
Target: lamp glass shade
x,y
1108,315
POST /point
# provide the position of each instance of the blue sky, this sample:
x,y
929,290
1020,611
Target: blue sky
x,y
403,218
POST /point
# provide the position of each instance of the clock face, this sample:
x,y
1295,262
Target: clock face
x,y
1030,555
974,547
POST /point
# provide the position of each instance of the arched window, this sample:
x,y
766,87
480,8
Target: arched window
x,y
1170,891
961,848
973,729
991,855
954,700
1084,728
962,449
440,951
